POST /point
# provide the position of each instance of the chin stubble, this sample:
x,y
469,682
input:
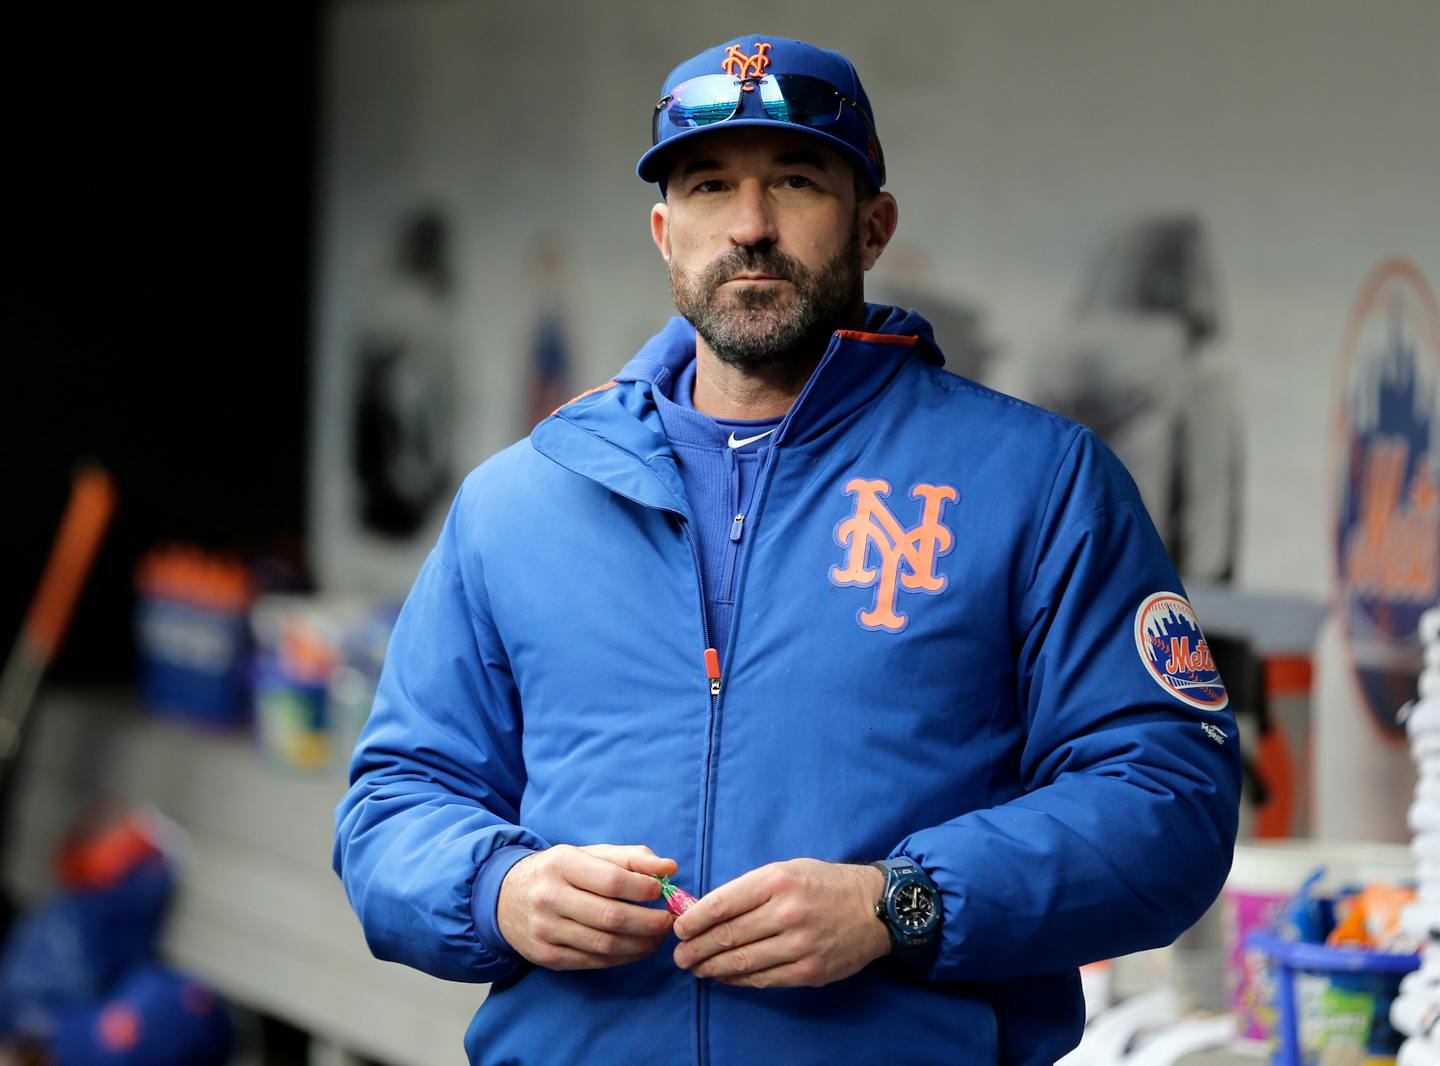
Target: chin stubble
x,y
760,325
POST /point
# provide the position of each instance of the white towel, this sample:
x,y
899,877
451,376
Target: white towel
x,y
1415,1014
1423,716
1417,1051
1429,627
1426,846
1422,920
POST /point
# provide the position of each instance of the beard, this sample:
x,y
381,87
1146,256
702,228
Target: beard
x,y
756,325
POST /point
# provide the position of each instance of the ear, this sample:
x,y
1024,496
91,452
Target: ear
x,y
660,229
879,215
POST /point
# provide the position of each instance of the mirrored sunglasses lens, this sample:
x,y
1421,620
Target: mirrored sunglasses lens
x,y
703,101
803,100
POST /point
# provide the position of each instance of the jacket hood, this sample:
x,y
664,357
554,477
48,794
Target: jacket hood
x,y
615,435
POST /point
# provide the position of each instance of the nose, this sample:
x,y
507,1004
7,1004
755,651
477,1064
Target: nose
x,y
752,221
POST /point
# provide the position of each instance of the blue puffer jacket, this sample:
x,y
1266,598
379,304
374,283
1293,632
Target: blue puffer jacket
x,y
956,636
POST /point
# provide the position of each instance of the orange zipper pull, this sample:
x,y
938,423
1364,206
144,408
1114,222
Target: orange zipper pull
x,y
712,670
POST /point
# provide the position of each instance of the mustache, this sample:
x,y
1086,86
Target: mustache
x,y
770,261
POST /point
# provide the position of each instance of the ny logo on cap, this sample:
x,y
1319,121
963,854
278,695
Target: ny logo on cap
x,y
738,65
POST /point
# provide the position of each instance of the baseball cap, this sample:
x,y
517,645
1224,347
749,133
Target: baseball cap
x,y
761,80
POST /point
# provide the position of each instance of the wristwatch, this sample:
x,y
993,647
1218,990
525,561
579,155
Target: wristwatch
x,y
909,906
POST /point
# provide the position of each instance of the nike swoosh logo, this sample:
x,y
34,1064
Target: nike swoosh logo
x,y
740,443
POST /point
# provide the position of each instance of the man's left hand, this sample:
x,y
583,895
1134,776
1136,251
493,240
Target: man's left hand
x,y
801,923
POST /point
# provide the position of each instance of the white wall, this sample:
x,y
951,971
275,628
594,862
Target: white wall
x,y
1018,135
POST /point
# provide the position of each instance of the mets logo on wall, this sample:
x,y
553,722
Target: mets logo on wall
x,y
1173,649
1387,484
881,552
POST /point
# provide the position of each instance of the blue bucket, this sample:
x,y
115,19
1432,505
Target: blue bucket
x,y
1331,999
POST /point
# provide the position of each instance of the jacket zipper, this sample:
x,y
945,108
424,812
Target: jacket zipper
x,y
712,656
732,549
712,676
712,662
713,672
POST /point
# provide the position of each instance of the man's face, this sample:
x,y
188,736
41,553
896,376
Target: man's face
x,y
763,240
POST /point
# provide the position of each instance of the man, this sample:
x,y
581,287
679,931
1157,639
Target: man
x,y
783,599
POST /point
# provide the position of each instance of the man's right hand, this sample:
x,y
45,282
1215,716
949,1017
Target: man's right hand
x,y
564,908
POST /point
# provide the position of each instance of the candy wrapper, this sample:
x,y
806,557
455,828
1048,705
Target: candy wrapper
x,y
677,900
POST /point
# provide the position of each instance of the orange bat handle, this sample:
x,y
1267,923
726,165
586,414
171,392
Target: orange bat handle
x,y
92,502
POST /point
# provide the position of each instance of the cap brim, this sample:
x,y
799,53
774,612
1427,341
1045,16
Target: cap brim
x,y
654,165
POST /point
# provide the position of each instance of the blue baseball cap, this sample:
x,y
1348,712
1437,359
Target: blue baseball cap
x,y
759,80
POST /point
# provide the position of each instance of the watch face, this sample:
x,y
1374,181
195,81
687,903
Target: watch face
x,y
914,907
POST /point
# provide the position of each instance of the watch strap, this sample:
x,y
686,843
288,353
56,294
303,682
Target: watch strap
x,y
897,870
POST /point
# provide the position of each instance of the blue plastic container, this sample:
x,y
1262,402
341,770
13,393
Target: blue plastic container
x,y
291,716
1333,996
193,661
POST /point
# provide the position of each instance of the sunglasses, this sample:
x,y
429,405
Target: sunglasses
x,y
795,98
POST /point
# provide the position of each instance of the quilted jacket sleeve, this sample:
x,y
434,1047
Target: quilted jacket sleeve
x,y
1126,829
436,779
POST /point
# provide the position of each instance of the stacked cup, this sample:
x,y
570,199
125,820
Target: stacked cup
x,y
1416,1010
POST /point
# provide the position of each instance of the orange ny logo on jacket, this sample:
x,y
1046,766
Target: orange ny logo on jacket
x,y
907,556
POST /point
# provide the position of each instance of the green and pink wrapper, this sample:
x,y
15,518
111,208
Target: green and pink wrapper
x,y
677,900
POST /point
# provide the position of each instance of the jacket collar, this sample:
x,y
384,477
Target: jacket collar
x,y
614,434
